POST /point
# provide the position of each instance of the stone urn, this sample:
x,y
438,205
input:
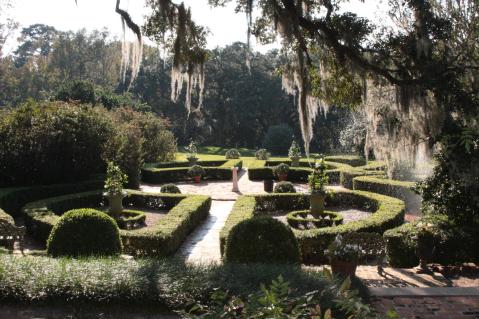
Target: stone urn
x,y
115,203
316,200
268,185
295,161
343,268
425,249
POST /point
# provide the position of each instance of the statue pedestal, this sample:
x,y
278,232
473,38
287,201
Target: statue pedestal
x,y
235,179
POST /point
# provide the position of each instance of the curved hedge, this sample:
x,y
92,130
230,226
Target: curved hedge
x,y
278,243
387,213
300,217
185,212
84,232
178,171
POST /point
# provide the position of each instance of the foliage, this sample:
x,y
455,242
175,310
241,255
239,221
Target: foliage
x,y
294,150
191,152
261,240
262,154
318,179
196,170
326,219
84,232
115,179
281,169
232,154
344,251
353,136
47,143
77,91
170,188
278,138
130,219
284,187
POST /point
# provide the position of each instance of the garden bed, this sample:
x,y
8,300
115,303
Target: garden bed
x,y
185,212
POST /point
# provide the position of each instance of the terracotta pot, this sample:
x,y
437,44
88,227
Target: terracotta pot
x,y
295,161
283,177
268,185
344,268
197,179
316,201
116,203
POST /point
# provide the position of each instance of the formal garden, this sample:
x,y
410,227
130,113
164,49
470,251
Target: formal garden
x,y
333,173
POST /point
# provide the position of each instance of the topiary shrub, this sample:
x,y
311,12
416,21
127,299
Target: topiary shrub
x,y
84,232
284,187
262,154
232,153
262,240
170,188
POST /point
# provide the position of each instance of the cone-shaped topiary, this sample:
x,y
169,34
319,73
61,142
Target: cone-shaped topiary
x,y
262,240
84,232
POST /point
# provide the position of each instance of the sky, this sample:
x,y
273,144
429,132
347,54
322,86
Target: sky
x,y
225,26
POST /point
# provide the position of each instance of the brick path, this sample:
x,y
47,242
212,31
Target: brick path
x,y
434,307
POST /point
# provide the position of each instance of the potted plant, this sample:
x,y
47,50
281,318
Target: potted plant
x,y
343,256
191,152
115,179
425,245
294,154
281,171
317,182
196,171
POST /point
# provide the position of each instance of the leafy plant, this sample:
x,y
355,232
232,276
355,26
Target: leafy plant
x,y
342,250
232,153
284,187
318,179
294,150
170,188
115,179
196,170
281,169
191,152
262,154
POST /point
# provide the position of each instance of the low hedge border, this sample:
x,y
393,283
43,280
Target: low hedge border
x,y
453,244
352,160
162,239
297,218
394,188
13,199
388,213
178,171
259,170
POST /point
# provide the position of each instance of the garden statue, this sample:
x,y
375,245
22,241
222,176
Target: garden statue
x,y
294,154
115,179
317,181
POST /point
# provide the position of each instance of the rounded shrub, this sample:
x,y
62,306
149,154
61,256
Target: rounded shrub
x,y
262,154
84,232
262,240
170,188
232,153
284,187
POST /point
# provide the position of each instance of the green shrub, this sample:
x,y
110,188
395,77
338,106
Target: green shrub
x,y
281,169
284,187
278,138
262,154
84,232
79,91
170,188
130,218
297,218
353,160
196,170
232,153
261,240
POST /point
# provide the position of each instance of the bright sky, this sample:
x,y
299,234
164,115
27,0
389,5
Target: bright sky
x,y
225,26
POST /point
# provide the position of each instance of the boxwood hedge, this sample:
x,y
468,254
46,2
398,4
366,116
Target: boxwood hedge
x,y
387,213
185,212
178,171
352,160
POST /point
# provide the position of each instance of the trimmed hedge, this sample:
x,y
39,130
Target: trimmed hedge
x,y
178,171
261,240
387,213
164,238
452,243
84,232
130,217
13,199
352,160
284,187
170,188
399,189
297,218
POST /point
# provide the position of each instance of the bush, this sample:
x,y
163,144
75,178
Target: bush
x,y
262,240
84,232
80,91
284,187
262,154
170,188
196,170
278,138
281,169
48,143
232,154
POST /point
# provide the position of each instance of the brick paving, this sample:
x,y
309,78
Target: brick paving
x,y
434,307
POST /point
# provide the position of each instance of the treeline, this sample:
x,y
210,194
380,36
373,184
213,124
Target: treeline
x,y
240,105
